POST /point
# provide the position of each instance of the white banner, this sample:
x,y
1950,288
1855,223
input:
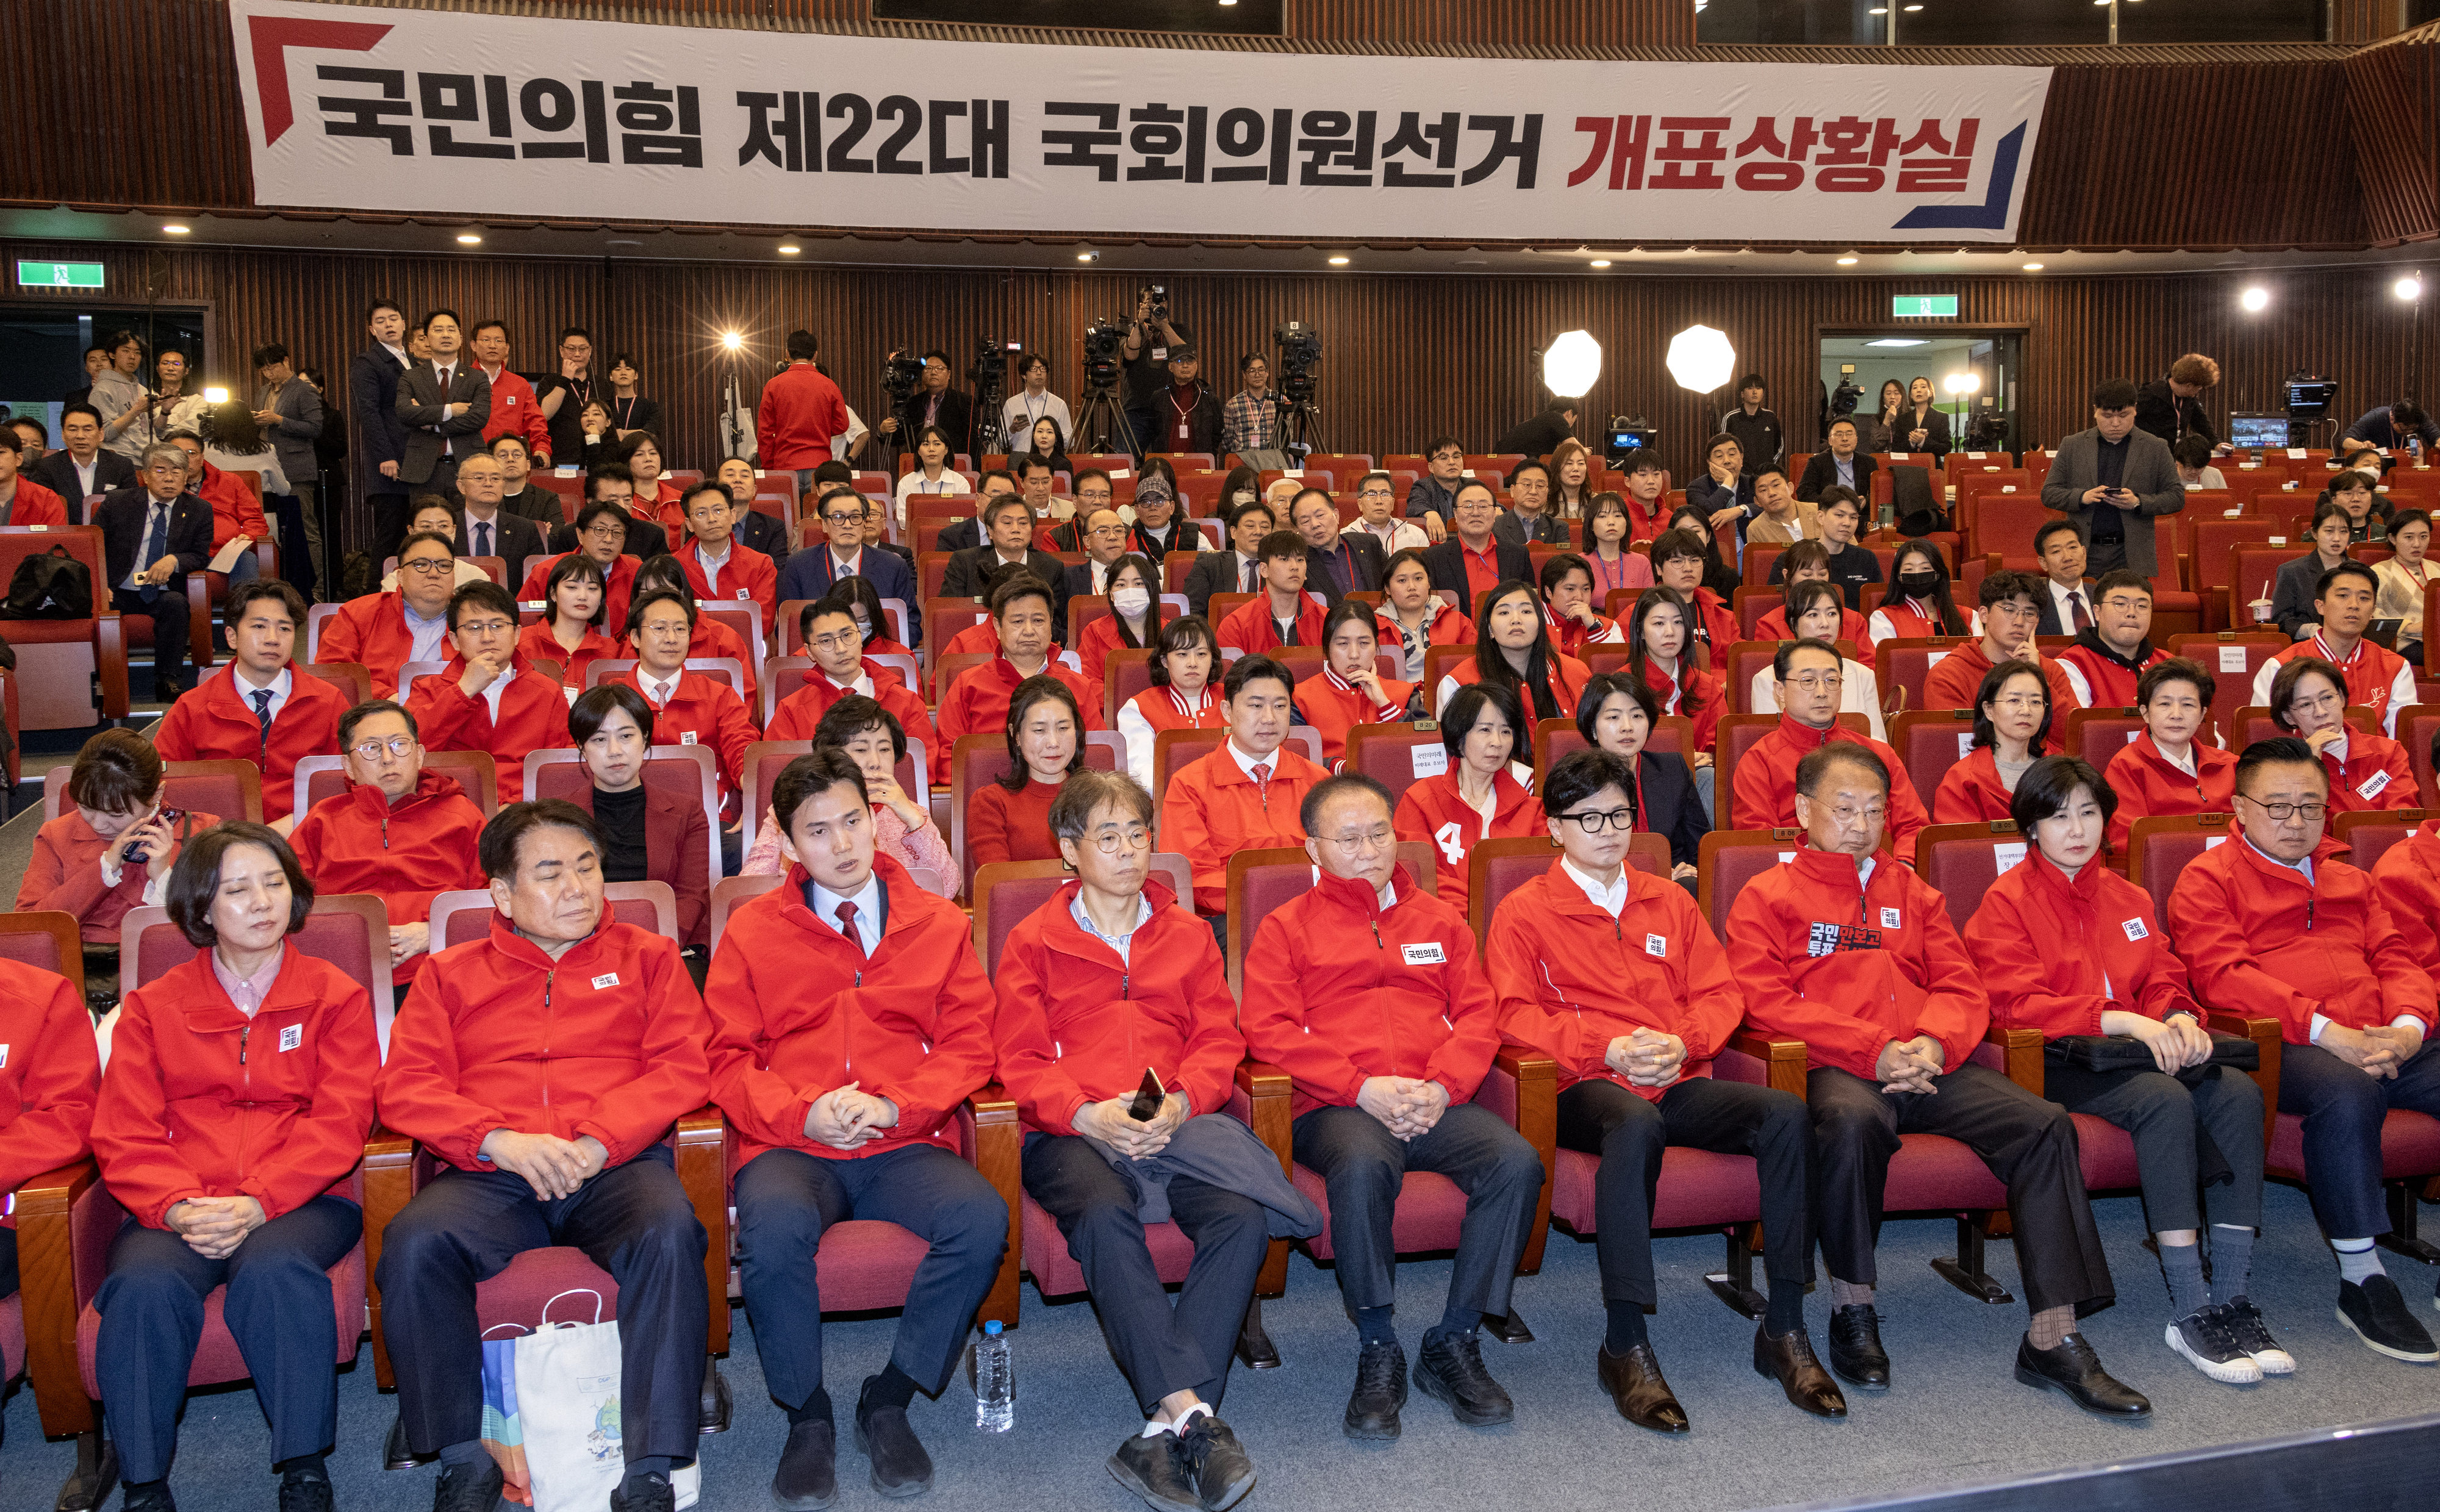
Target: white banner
x,y
353,107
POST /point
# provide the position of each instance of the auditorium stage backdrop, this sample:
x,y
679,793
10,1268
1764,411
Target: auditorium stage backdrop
x,y
351,107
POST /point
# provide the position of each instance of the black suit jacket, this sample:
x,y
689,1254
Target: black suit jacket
x,y
968,569
1447,563
537,504
2049,623
963,536
957,420
121,516
373,394
644,538
513,538
1822,472
1675,810
57,472
767,535
1371,565
1214,572
418,409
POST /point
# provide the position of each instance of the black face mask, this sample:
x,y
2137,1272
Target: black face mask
x,y
1916,585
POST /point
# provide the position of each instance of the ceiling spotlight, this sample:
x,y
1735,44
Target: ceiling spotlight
x,y
2033,267
732,340
1601,263
216,396
2256,299
1572,365
177,230
469,238
1339,261
2409,287
1701,359
789,249
1848,261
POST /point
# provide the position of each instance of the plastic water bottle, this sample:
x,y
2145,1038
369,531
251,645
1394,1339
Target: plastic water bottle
x,y
994,1381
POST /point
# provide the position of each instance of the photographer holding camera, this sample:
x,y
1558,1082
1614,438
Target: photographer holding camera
x,y
1144,361
932,402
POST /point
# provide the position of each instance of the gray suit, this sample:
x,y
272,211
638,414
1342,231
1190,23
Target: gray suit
x,y
292,435
2151,477
418,409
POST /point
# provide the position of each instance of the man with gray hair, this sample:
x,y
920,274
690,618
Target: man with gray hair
x,y
153,533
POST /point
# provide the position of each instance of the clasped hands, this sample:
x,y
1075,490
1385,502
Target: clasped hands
x,y
2378,1052
552,1166
1405,1106
2176,1043
1911,1065
1646,1057
213,1227
848,1118
1110,1123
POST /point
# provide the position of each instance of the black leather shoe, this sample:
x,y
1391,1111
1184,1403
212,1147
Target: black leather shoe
x,y
153,1497
307,1490
1856,1351
807,1479
1151,1468
899,1466
1787,1359
1636,1389
2073,1368
1221,1469
650,1492
1380,1391
1450,1367
474,1487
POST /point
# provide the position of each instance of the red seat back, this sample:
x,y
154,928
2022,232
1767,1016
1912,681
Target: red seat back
x,y
2097,735
1929,741
1962,860
1731,858
1905,663
2160,847
1387,753
2371,833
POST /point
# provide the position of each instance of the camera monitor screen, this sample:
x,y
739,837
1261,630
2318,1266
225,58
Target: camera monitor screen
x,y
2255,432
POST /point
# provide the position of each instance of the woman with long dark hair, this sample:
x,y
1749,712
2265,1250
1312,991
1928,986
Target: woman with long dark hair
x,y
1009,818
1134,620
1720,577
1918,603
1513,649
1872,432
1921,427
2012,724
1185,692
569,631
1657,650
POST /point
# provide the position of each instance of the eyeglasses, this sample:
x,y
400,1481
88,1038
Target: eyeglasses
x,y
2020,703
1848,819
486,627
371,750
843,517
1381,840
2282,812
839,641
431,566
1111,840
1594,821
1819,681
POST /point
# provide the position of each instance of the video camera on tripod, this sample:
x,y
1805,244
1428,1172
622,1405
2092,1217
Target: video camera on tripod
x,y
902,371
1299,349
1102,339
989,375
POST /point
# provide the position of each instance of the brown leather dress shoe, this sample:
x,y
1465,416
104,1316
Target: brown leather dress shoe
x,y
1788,1359
1634,1383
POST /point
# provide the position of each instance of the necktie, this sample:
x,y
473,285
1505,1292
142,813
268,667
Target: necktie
x,y
2075,607
846,926
262,697
482,539
447,373
156,542
1248,569
1262,779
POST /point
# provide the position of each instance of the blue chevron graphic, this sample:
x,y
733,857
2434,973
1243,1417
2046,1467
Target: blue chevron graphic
x,y
1992,214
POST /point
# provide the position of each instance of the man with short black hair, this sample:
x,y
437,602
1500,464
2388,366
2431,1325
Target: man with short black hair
x,y
600,532
292,417
2378,677
2111,655
1010,550
1842,464
847,551
716,566
1780,518
800,412
1235,568
2112,481
262,707
382,632
612,484
976,702
23,501
1525,522
1336,564
1250,422
961,535
1841,513
485,529
2067,606
1244,795
1435,493
1757,430
444,403
1809,682
1540,435
81,467
1282,614
2010,610
381,435
519,495
515,410
488,699
2392,428
1376,504
1471,559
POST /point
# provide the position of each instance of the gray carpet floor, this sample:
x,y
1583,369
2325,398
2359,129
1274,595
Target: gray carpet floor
x,y
1954,1416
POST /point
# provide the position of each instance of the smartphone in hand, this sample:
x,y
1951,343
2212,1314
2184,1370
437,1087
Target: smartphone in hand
x,y
1149,1096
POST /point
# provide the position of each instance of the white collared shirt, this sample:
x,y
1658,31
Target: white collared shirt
x,y
659,692
85,475
868,911
153,507
278,687
1611,898
1247,761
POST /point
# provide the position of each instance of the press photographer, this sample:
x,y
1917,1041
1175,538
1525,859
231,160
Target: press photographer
x,y
1143,360
929,401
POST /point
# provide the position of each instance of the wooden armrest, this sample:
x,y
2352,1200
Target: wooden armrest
x,y
2022,1051
2269,1037
1785,1059
999,1155
46,1280
390,1184
703,1170
1536,1075
1270,1091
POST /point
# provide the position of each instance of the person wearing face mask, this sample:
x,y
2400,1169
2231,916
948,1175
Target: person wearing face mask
x,y
2168,768
2112,481
1918,605
1134,620
2009,613
1812,611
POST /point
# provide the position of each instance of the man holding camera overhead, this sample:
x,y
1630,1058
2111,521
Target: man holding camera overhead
x,y
933,403
1143,366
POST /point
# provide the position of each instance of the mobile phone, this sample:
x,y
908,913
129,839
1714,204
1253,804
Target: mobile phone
x,y
134,853
1149,1096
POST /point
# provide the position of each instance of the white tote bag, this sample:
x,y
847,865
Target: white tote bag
x,y
567,1400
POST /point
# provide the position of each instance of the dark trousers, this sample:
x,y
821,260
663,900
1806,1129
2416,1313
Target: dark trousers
x,y
1732,1118
2028,1143
278,1309
785,1198
1145,422
8,1263
391,514
1362,1164
2168,1120
464,1227
2343,1110
2103,556
1161,1349
167,612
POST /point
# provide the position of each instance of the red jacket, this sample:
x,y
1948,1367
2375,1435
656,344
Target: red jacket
x,y
607,1040
65,874
2054,953
1710,697
537,643
1566,991
1847,967
215,722
2101,680
1852,627
403,852
1570,638
1213,809
800,414
801,712
2259,938
746,574
2376,774
2407,881
677,850
978,702
1433,810
49,1075
235,510
2148,786
1332,706
517,412
1956,677
1338,989
370,631
619,588
1093,647
801,1011
1714,627
1077,1025
1251,628
1567,677
702,712
33,504
1972,792
193,1105
533,716
1913,620
2377,676
1765,794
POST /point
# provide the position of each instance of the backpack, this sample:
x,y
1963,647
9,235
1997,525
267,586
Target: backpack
x,y
53,586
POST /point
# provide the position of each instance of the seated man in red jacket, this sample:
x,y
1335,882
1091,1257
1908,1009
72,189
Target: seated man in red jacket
x,y
1855,956
401,833
2106,663
384,632
1280,614
2011,606
717,565
688,708
1809,681
1368,992
2267,927
1021,616
1616,974
1247,794
262,707
835,643
487,698
852,1021
543,1066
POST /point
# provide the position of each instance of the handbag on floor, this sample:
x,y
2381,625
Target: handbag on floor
x,y
551,1415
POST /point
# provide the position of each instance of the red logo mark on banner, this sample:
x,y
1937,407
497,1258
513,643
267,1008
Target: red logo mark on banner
x,y
273,37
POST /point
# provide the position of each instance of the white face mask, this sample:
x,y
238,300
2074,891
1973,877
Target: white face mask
x,y
1244,497
1130,601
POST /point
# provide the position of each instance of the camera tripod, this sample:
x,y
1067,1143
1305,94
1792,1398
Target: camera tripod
x,y
1101,404
1299,431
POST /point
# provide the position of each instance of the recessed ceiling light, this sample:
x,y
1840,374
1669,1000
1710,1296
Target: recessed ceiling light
x,y
1900,341
789,249
2033,267
1847,262
177,230
469,238
1339,261
1601,263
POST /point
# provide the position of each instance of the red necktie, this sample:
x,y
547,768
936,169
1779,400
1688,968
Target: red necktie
x,y
2083,620
846,926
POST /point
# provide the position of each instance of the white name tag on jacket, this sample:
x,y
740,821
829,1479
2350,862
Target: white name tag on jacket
x,y
4,1057
686,737
2372,785
2135,929
608,979
291,1035
1890,919
1654,945
1429,954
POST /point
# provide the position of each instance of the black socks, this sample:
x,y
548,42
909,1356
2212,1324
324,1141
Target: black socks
x,y
1786,1313
1626,1327
892,1387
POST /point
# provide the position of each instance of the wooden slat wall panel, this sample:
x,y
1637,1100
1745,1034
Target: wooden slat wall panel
x,y
2396,139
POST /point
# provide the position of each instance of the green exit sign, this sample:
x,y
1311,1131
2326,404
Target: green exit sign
x,y
1924,304
60,275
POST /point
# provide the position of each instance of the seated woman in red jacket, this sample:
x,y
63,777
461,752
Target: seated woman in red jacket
x,y
224,1187
1134,620
902,830
1351,690
1109,980
112,852
1485,788
1185,693
1657,652
2368,770
651,833
1009,818
569,631
1515,650
2072,948
2012,724
2168,769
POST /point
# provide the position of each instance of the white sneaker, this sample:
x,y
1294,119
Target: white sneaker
x,y
2245,1325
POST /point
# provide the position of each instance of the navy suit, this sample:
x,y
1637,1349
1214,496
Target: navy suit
x,y
810,573
373,394
189,537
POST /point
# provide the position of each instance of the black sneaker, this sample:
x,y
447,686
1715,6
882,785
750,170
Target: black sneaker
x,y
2205,1339
2245,1325
473,1487
650,1492
305,1490
1451,1368
1223,1472
899,1465
1151,1468
2378,1316
1380,1391
807,1479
